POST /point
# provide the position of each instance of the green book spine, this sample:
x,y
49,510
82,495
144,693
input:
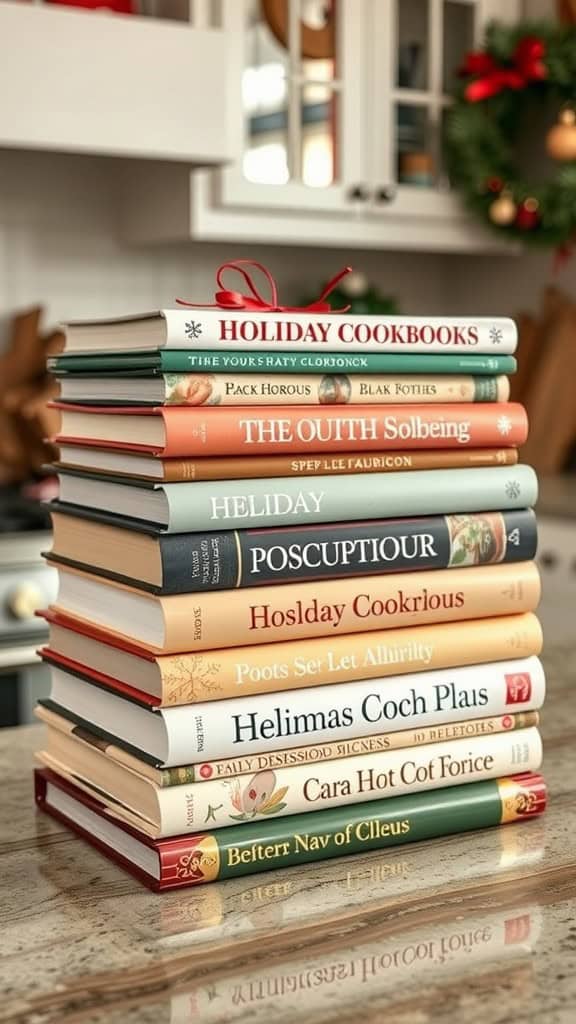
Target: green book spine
x,y
184,361
250,848
265,846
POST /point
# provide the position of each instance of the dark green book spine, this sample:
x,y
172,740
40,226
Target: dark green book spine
x,y
302,838
182,361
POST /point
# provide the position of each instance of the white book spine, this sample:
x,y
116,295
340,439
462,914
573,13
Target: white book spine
x,y
320,332
278,721
304,788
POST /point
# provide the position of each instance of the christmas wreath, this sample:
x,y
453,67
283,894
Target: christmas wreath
x,y
522,74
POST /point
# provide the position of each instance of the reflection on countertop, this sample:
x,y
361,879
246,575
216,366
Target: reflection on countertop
x,y
480,927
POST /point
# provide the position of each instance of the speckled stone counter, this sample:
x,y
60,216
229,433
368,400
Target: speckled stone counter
x,y
477,928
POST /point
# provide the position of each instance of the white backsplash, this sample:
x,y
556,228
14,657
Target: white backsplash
x,y
59,245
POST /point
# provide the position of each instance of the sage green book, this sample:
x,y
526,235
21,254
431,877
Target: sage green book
x,y
293,501
187,361
299,839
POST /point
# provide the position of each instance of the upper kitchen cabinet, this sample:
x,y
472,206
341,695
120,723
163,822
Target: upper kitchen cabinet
x,y
337,113
90,81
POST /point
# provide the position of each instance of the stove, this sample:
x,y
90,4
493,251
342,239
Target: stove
x,y
26,584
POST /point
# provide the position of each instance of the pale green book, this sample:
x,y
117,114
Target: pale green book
x,y
294,501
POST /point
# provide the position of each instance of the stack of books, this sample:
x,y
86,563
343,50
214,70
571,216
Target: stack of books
x,y
295,616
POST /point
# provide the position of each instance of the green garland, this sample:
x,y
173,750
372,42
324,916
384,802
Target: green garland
x,y
482,136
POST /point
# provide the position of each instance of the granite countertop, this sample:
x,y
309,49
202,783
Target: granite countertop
x,y
477,928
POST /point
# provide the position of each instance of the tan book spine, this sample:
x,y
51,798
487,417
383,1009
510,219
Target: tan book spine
x,y
82,738
235,618
262,466
247,671
270,760
200,622
330,389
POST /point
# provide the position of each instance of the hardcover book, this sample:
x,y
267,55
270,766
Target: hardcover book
x,y
173,736
153,467
301,789
77,749
229,505
195,622
221,361
186,563
260,846
287,665
180,432
206,328
209,389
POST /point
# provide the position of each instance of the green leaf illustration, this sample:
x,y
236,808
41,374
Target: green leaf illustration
x,y
273,810
458,556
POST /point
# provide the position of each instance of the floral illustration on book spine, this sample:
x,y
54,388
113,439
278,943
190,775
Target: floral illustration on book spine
x,y
191,389
206,389
476,539
258,796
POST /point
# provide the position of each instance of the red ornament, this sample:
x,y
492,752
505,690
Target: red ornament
x,y
494,185
119,6
528,216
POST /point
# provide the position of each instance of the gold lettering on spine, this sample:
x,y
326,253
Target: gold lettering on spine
x,y
521,799
239,557
201,862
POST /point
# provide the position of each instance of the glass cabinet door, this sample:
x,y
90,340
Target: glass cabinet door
x,y
418,47
299,113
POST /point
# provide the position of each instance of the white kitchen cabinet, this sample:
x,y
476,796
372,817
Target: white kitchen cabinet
x,y
338,152
83,81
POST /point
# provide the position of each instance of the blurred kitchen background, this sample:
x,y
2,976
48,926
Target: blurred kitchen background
x,y
143,142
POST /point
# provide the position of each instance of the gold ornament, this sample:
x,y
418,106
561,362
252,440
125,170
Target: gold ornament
x,y
503,210
561,139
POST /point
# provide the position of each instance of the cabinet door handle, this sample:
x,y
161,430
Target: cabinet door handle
x,y
385,194
359,193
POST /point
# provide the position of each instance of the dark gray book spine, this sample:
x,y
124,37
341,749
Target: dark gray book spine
x,y
245,558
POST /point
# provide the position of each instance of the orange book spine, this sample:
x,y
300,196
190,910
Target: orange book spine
x,y
294,664
230,618
235,618
257,431
314,464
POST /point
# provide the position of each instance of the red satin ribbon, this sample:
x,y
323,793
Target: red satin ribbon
x,y
527,66
255,302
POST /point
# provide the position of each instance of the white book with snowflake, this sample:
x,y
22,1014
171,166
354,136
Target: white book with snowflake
x,y
235,330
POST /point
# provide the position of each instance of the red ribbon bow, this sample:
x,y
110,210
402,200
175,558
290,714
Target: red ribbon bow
x,y
255,302
527,66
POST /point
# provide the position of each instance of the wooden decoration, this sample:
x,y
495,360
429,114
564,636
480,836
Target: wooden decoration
x,y
566,11
25,388
549,398
315,43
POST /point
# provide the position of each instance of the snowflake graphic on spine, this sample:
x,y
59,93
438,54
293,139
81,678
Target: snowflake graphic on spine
x,y
512,489
192,329
504,425
496,335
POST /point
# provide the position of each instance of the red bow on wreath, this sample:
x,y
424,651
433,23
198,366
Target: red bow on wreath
x,y
255,302
527,66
